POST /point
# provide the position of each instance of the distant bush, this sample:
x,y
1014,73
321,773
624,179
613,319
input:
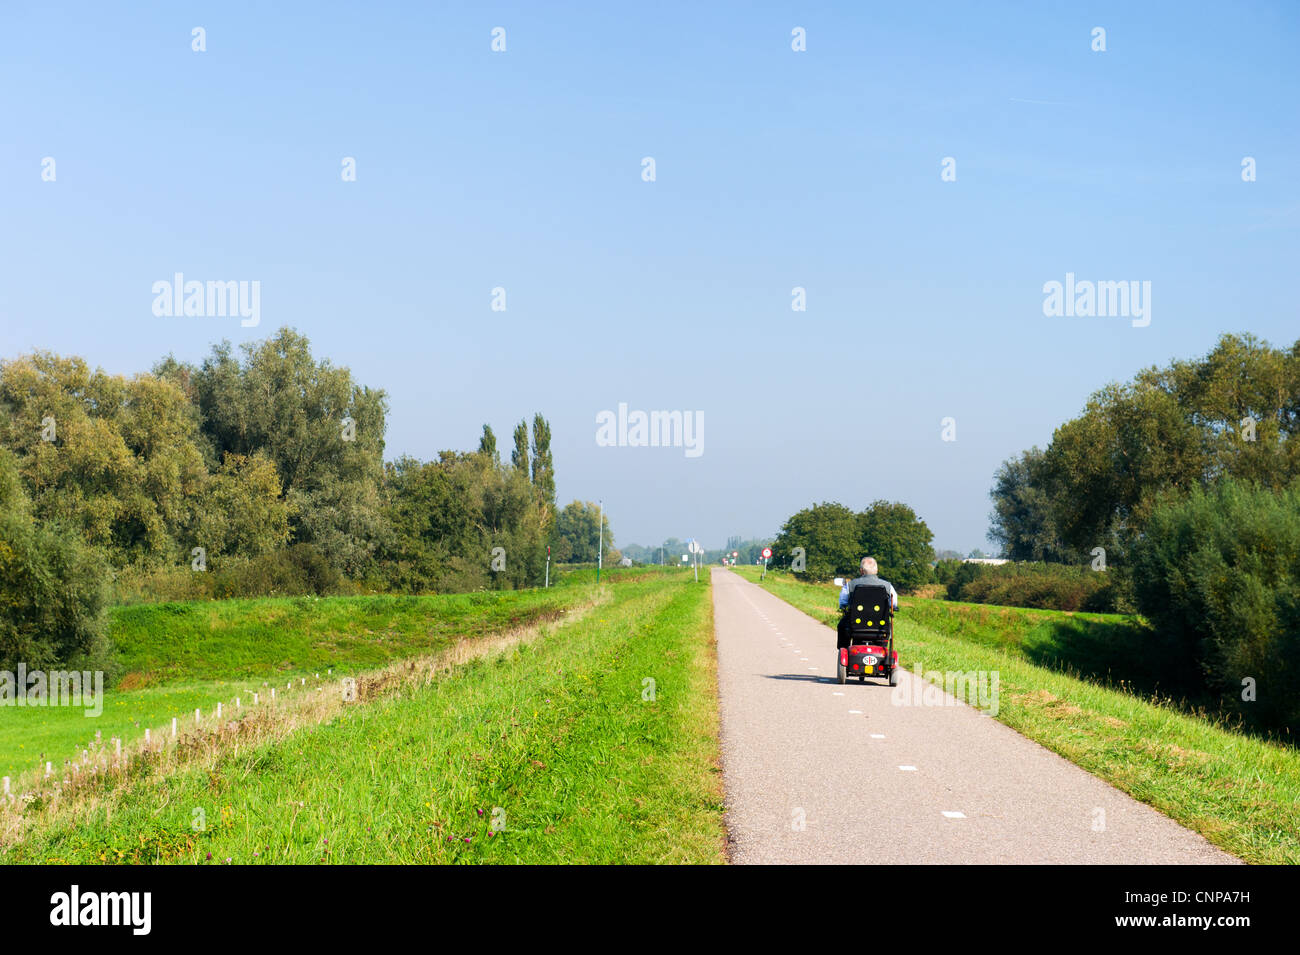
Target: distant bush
x,y
295,571
1218,571
945,570
1041,585
290,572
957,574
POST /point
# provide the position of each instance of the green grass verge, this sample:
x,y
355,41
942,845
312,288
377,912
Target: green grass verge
x,y
176,657
1239,791
559,744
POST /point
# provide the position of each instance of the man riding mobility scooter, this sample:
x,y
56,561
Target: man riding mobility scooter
x,y
868,631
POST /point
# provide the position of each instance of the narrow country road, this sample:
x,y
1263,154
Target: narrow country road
x,y
816,772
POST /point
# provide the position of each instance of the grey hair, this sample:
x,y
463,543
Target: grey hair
x,y
869,565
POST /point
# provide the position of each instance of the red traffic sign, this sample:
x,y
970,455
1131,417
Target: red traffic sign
x,y
767,553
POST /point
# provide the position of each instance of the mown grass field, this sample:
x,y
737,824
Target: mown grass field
x,y
177,657
595,741
1241,792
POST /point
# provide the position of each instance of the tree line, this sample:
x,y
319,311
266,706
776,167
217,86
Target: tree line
x,y
248,473
1182,487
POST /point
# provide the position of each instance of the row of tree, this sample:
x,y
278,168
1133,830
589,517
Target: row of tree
x,y
269,463
1232,413
1183,485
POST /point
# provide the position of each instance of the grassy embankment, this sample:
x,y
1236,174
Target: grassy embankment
x,y
560,746
1240,791
177,657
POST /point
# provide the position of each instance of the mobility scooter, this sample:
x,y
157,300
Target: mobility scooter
x,y
869,623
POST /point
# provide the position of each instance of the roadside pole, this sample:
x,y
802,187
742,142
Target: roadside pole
x,y
600,535
548,566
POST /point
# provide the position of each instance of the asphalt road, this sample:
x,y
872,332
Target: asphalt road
x,y
816,772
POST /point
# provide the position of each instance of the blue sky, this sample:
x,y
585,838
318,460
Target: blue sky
x,y
775,169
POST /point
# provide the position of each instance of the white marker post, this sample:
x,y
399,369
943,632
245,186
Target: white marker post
x,y
173,727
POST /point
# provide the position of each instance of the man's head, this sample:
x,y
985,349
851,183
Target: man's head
x,y
869,566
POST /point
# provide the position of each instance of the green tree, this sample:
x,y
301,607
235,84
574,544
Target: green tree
x,y
1022,522
242,512
577,531
434,510
519,456
117,460
899,541
488,444
52,588
1233,413
323,431
543,466
1217,572
448,516
829,535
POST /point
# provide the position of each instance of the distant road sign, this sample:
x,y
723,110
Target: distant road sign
x,y
767,553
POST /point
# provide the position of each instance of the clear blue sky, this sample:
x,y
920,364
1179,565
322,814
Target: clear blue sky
x,y
775,169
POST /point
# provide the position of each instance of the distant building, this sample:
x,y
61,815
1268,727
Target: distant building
x,y
985,560
625,562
